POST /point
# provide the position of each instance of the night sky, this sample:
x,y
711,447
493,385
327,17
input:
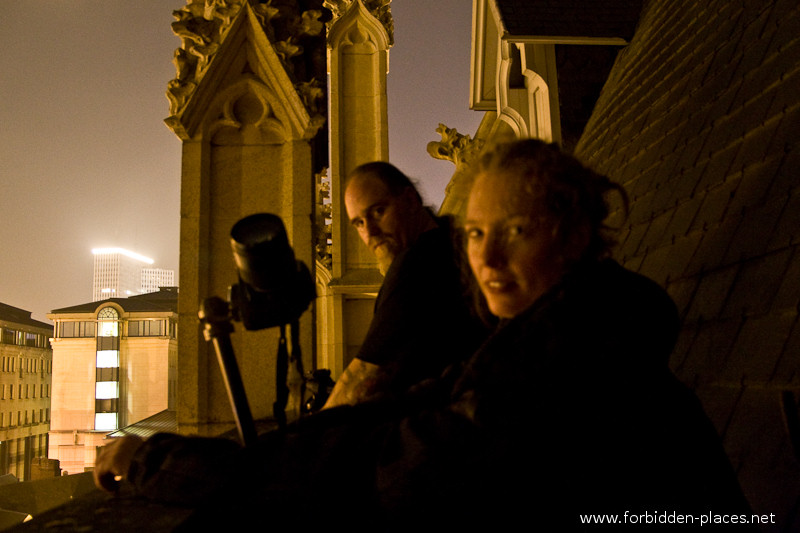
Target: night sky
x,y
86,160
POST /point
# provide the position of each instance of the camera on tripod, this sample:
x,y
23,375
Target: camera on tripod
x,y
274,290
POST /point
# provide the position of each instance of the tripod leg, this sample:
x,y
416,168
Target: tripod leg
x,y
281,390
218,328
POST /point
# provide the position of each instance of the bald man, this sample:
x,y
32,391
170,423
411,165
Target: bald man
x,y
422,322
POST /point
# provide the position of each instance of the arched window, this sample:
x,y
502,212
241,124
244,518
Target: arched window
x,y
108,322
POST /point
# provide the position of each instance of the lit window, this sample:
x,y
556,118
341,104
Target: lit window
x,y
105,390
105,421
107,359
107,329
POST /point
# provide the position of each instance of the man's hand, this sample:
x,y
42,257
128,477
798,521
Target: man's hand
x,y
113,462
360,381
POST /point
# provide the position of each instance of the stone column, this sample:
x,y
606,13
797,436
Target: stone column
x,y
248,104
359,37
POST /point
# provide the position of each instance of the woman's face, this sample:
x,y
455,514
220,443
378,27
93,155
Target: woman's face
x,y
511,245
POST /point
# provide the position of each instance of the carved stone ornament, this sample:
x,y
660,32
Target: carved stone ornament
x,y
380,9
323,221
455,147
202,26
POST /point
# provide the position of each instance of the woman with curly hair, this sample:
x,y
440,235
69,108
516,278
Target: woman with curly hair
x,y
574,385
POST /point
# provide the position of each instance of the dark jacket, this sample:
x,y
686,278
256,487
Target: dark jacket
x,y
422,321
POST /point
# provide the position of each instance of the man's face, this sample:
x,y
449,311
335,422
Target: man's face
x,y
383,221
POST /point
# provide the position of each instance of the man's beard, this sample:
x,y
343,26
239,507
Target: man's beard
x,y
385,254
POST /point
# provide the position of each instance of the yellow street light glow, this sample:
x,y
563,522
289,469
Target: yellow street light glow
x,y
123,251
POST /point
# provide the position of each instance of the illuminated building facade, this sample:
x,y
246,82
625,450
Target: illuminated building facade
x,y
120,273
25,379
155,278
114,363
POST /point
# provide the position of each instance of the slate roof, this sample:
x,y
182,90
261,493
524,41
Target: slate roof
x,y
166,299
698,120
15,315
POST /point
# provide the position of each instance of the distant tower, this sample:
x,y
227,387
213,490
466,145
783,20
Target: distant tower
x,y
155,278
117,273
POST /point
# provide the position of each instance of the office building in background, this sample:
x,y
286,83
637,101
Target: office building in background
x,y
120,273
155,278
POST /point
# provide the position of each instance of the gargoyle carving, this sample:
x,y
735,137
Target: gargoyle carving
x,y
454,146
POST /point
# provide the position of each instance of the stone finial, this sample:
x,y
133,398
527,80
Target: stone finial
x,y
454,146
380,9
202,25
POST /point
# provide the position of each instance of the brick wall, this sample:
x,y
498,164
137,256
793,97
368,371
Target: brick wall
x,y
700,120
